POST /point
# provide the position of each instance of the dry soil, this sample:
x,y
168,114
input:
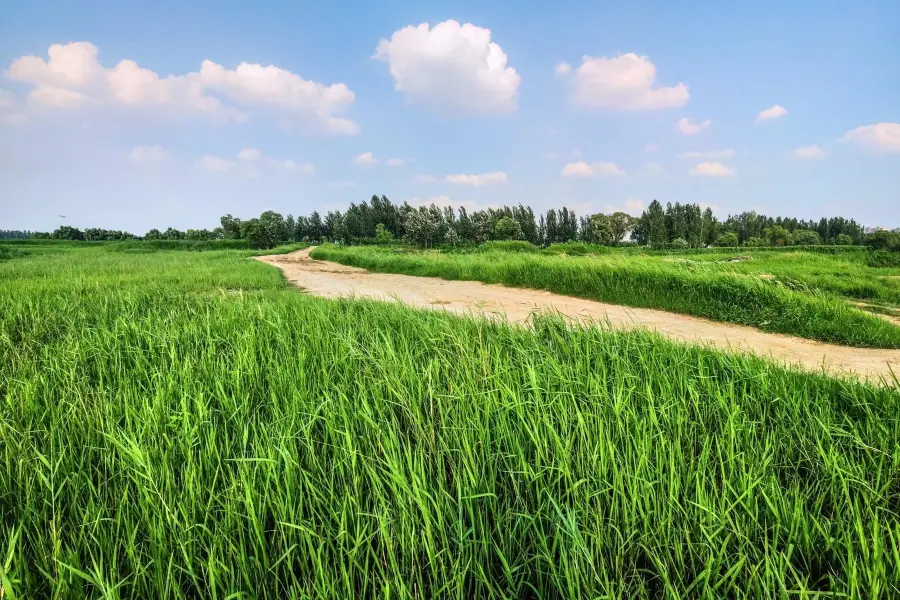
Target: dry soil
x,y
332,280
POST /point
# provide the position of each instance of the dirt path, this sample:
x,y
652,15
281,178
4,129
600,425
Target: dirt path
x,y
332,280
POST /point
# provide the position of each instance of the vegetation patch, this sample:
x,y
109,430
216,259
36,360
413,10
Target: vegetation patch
x,y
784,305
161,438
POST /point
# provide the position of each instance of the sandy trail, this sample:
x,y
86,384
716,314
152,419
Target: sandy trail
x,y
332,280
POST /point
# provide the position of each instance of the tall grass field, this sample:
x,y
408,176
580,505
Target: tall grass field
x,y
801,302
186,425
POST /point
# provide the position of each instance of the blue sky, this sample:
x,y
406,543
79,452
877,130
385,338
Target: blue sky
x,y
600,107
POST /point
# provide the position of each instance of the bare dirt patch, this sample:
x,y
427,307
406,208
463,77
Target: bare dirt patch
x,y
516,305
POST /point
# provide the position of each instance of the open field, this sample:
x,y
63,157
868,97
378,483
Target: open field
x,y
186,424
791,293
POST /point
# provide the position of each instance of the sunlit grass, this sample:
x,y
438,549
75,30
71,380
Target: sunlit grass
x,y
716,291
185,425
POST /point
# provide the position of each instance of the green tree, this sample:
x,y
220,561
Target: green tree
x,y
599,229
508,228
382,235
621,223
421,227
843,239
657,232
778,235
806,237
729,240
755,242
451,237
679,244
231,227
255,233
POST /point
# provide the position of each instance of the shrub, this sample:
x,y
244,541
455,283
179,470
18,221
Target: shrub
x,y
729,240
843,240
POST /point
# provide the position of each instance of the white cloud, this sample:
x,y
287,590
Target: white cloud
x,y
72,75
249,154
291,165
583,169
773,112
395,162
477,180
249,161
651,147
147,154
652,168
624,82
214,163
692,127
53,97
549,156
880,137
563,68
366,159
718,154
342,184
258,86
712,169
451,67
809,152
424,178
631,206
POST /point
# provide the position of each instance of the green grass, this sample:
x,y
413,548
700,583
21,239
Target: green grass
x,y
719,291
186,425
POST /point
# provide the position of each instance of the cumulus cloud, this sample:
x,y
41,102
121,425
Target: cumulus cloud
x,y
249,154
214,163
624,82
366,159
477,180
563,68
773,112
249,162
291,165
716,154
880,137
692,127
809,152
712,169
583,169
631,206
148,154
451,67
72,76
395,162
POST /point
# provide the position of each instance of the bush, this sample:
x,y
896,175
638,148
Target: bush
x,y
755,242
843,240
678,244
806,237
729,240
508,228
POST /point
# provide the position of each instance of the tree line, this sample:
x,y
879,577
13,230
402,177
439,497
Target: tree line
x,y
380,221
